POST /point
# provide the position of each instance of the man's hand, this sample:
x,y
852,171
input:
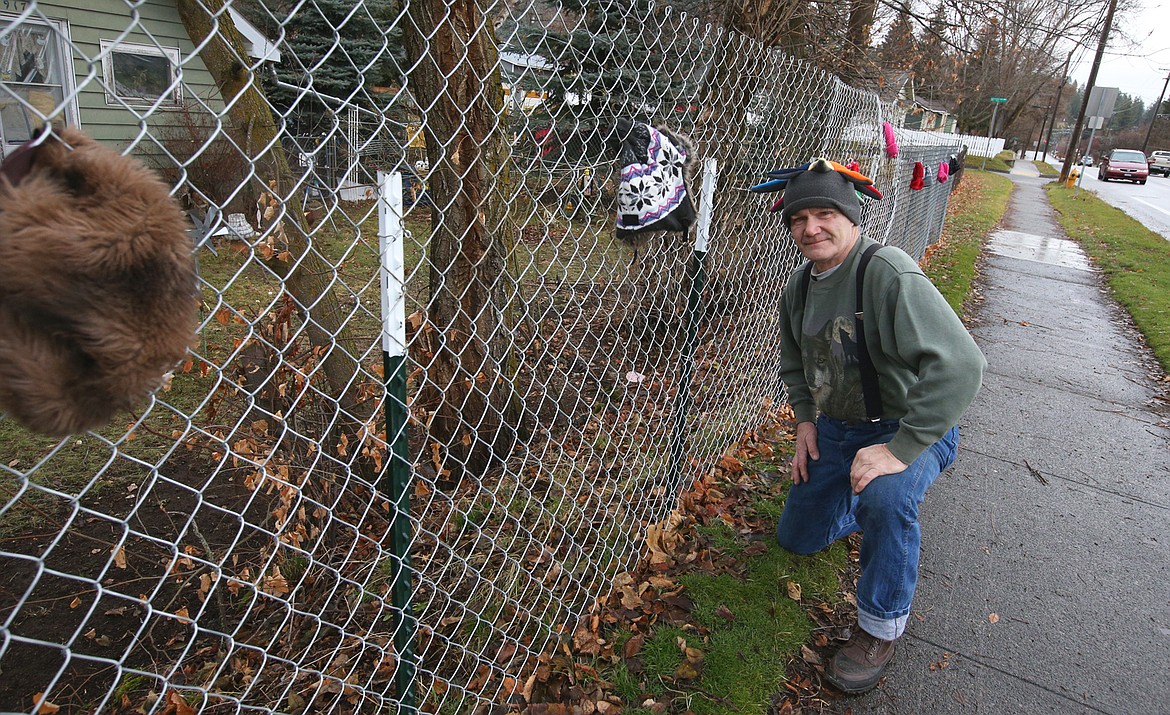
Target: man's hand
x,y
871,462
806,448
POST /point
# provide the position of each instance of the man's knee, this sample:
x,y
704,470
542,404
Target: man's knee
x,y
798,541
886,499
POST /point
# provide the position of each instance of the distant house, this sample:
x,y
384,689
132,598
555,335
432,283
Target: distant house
x,y
898,88
90,65
930,117
520,70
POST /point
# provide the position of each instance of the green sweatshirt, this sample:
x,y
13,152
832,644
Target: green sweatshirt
x,y
929,368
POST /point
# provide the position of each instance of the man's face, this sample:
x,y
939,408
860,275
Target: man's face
x,y
824,236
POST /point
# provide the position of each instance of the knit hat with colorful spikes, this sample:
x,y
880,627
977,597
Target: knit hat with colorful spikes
x,y
819,184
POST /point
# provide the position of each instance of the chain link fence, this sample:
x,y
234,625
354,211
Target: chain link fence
x,y
326,509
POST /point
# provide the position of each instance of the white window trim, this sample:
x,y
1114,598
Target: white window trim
x,y
60,28
109,47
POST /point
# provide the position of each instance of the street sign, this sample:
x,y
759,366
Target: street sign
x,y
999,100
1101,101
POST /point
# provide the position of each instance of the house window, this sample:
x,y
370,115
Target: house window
x,y
36,76
141,75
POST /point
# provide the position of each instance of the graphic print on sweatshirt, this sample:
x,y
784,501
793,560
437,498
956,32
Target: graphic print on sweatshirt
x,y
831,369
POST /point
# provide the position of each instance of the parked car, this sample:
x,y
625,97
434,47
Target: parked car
x,y
1128,164
1160,163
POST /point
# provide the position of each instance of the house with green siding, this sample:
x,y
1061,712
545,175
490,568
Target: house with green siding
x,y
126,74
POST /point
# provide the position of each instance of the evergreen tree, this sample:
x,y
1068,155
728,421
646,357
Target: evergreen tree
x,y
978,75
613,59
333,52
1127,112
1073,108
936,70
899,49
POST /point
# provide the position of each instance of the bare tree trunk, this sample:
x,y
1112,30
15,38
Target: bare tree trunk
x,y
725,96
774,23
306,275
721,126
455,80
861,15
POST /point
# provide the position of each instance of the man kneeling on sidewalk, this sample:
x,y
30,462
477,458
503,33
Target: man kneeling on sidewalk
x,y
877,387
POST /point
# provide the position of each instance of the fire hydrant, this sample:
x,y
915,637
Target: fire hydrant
x,y
1072,178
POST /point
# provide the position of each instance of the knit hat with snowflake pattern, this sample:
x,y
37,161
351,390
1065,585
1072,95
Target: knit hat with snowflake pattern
x,y
652,193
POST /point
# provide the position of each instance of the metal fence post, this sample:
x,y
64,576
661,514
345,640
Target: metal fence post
x,y
397,485
698,277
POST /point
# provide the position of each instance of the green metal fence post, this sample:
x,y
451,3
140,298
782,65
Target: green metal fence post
x,y
396,482
697,273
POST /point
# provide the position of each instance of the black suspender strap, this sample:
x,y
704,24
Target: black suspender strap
x,y
869,377
870,390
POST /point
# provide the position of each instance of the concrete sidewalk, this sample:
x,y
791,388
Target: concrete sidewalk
x,y
1045,577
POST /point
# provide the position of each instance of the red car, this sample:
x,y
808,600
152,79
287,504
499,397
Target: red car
x,y
1124,164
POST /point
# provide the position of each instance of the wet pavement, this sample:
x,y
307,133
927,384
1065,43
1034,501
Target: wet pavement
x,y
1045,575
1033,247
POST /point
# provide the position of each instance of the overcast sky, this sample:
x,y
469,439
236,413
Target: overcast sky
x,y
1139,70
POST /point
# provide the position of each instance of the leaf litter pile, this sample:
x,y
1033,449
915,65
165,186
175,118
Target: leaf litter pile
x,y
725,522
649,646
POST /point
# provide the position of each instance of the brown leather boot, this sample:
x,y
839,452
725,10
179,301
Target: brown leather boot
x,y
860,663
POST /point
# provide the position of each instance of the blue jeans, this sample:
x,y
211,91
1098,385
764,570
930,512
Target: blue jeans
x,y
824,508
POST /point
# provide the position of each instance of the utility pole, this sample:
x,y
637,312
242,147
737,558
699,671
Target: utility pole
x,y
995,102
1055,105
1154,116
1040,136
1074,141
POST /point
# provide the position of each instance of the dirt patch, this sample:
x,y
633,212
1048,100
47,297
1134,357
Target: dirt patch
x,y
91,601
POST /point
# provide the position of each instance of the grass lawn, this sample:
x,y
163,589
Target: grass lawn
x,y
1046,169
1134,259
747,629
1001,162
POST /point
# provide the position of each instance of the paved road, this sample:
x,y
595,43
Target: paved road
x,y
1149,203
1045,557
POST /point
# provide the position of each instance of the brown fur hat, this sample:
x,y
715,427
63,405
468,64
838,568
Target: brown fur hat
x,y
97,284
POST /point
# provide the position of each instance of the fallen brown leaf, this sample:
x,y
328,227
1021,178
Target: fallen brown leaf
x,y
731,464
176,705
810,656
41,706
756,548
505,653
687,670
633,646
585,641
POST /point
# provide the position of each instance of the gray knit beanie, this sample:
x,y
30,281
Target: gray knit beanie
x,y
821,189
